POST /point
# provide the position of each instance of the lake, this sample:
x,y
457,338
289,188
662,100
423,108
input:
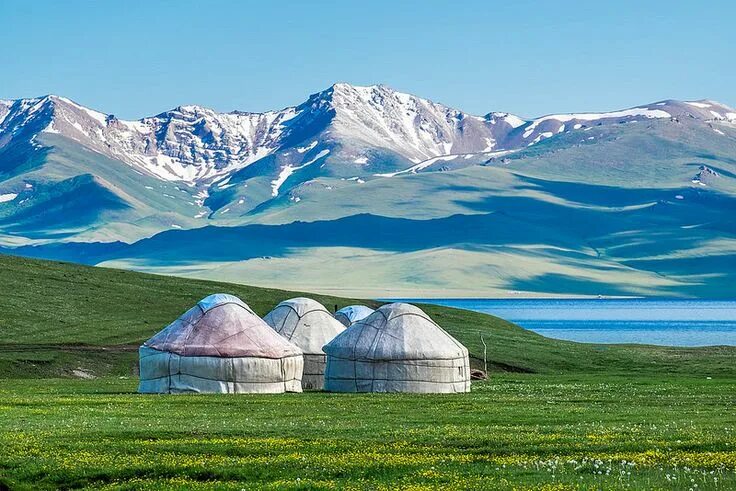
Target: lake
x,y
647,321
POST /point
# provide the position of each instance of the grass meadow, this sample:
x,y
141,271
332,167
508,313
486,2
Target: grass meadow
x,y
512,432
554,415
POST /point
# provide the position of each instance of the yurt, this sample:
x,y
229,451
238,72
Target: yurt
x,y
310,326
352,313
220,346
398,348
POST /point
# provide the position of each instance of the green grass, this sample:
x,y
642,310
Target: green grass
x,y
554,415
514,432
58,316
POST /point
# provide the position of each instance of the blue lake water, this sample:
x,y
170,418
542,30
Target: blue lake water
x,y
645,321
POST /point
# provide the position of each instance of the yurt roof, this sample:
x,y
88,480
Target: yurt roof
x,y
221,325
394,332
304,322
302,305
354,313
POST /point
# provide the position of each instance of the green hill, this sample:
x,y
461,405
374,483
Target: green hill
x,y
591,417
61,319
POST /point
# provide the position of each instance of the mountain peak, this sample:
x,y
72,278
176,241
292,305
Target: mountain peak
x,y
344,86
345,92
703,109
192,109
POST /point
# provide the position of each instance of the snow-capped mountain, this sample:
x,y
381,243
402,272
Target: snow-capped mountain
x,y
188,143
4,108
640,191
195,144
533,131
416,128
190,165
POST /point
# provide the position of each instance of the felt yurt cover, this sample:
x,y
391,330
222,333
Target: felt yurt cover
x,y
398,348
309,325
220,345
352,313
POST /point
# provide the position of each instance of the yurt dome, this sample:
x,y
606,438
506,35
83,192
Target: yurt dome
x,y
398,348
220,345
352,313
309,325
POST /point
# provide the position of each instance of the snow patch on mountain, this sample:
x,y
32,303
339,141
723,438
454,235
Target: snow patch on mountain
x,y
727,116
563,118
308,147
540,137
512,120
96,115
4,198
701,105
201,197
443,158
288,170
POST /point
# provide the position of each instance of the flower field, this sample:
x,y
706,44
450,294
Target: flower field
x,y
513,432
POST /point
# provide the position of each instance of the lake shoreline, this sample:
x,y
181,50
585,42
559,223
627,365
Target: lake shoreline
x,y
649,321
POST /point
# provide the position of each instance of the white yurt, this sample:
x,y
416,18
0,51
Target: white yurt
x,y
220,346
352,314
397,348
310,326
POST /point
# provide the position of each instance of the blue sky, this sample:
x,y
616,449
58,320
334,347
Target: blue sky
x,y
136,58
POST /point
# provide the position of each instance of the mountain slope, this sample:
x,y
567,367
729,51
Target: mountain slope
x,y
57,322
534,235
636,201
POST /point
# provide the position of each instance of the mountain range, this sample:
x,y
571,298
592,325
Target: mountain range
x,y
372,191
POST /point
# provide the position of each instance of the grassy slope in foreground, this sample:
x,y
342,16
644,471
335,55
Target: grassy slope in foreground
x,y
548,431
58,317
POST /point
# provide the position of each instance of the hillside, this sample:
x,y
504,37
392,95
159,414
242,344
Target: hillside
x,y
59,318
